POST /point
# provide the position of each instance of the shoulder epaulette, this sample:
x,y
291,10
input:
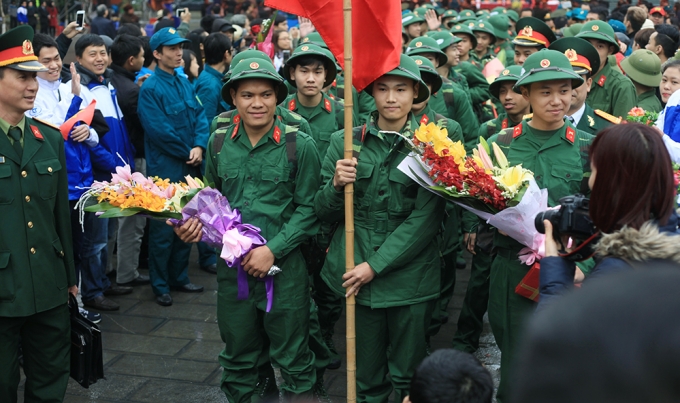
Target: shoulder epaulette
x,y
609,118
46,123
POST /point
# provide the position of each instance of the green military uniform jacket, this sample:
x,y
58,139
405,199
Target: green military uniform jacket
x,y
612,92
325,119
396,221
594,121
224,119
505,52
494,126
459,79
558,159
337,91
454,103
478,89
272,193
480,62
649,102
36,250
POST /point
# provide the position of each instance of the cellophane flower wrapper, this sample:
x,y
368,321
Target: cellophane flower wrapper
x,y
224,230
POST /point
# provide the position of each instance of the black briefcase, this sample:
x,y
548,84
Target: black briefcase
x,y
87,362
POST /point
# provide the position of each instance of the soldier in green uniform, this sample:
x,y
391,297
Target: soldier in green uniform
x,y
411,24
584,60
397,273
516,107
532,36
37,270
486,38
449,18
269,172
556,152
513,17
612,92
465,15
468,40
643,68
503,47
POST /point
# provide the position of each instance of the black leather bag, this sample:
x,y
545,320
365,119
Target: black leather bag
x,y
87,361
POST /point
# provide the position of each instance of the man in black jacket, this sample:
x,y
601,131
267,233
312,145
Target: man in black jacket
x,y
127,56
101,24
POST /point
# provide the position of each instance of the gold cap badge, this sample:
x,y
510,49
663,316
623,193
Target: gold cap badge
x,y
254,65
596,28
527,31
419,44
571,55
545,63
27,47
419,62
304,48
506,72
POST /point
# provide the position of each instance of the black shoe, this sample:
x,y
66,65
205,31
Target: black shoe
x,y
320,394
265,390
336,362
461,263
117,290
188,288
101,303
212,269
141,280
164,300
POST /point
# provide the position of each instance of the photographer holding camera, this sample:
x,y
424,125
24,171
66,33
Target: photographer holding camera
x,y
632,206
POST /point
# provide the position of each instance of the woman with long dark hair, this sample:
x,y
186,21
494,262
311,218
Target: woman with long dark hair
x,y
190,65
282,48
632,204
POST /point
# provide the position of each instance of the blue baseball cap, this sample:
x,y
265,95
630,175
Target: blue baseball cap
x,y
618,26
579,14
166,37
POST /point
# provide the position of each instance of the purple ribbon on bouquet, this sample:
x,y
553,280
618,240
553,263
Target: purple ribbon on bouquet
x,y
223,229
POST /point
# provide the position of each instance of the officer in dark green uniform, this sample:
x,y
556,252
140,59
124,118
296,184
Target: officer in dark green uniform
x,y
584,60
36,253
398,267
612,92
643,68
503,47
556,152
269,172
532,36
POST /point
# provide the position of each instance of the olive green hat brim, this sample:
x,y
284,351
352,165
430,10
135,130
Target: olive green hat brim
x,y
549,74
501,34
330,65
598,36
280,87
649,80
494,87
437,81
413,20
441,56
423,92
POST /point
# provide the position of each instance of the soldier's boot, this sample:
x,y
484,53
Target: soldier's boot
x,y
336,362
320,393
265,390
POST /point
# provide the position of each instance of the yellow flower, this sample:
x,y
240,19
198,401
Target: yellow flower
x,y
477,158
513,178
430,133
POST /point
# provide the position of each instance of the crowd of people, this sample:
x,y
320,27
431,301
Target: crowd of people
x,y
550,88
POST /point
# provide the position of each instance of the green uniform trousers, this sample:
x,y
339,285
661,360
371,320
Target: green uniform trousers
x,y
470,321
508,312
46,341
330,307
448,283
403,330
242,324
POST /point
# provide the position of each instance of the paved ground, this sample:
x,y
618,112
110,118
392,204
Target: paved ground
x,y
169,354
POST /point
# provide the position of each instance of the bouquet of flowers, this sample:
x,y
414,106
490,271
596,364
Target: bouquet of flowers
x,y
130,193
676,176
639,115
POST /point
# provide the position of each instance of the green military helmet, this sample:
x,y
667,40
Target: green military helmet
x,y
643,66
306,50
450,14
547,65
512,14
16,50
428,73
315,39
410,19
466,15
500,25
532,32
499,10
464,29
424,44
409,69
482,13
572,30
484,26
245,54
600,30
420,11
444,39
582,55
511,73
254,68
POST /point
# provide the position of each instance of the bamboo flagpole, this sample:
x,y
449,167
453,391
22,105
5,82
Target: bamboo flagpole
x,y
349,209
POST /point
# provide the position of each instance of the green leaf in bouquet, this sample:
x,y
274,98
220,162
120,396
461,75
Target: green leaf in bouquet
x,y
98,207
187,197
484,144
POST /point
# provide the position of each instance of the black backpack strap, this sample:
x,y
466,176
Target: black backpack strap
x,y
224,120
448,97
291,150
358,140
505,137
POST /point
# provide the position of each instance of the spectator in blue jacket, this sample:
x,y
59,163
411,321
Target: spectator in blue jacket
x,y
176,134
632,204
218,49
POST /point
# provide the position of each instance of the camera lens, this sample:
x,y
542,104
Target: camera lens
x,y
550,215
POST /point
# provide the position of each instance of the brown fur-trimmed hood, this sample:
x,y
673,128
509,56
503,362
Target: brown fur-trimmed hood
x,y
647,243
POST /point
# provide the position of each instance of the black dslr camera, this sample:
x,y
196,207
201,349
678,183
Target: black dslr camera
x,y
571,219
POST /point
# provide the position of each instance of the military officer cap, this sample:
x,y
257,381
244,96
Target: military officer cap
x,y
582,55
464,29
16,50
305,50
424,44
572,30
483,26
466,15
166,37
599,30
532,32
409,69
255,68
444,39
644,67
510,74
409,19
245,54
428,73
512,14
500,25
547,65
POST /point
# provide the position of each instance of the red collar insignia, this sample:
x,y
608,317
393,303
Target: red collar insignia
x,y
504,125
233,134
327,105
424,120
601,81
517,131
571,134
291,105
36,133
237,119
498,49
277,135
335,83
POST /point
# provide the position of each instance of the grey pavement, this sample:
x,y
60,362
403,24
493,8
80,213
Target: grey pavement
x,y
169,354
